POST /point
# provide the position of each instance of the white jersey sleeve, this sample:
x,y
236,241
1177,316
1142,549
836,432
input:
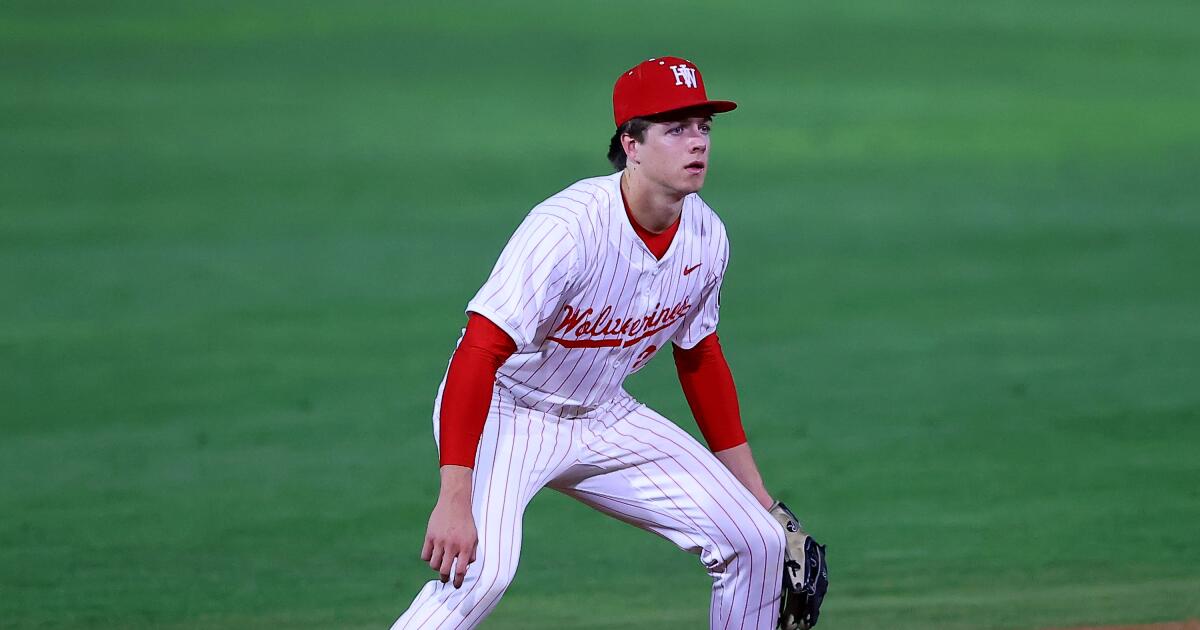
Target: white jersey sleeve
x,y
527,285
701,321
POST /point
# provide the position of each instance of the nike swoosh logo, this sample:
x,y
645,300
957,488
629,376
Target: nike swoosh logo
x,y
688,270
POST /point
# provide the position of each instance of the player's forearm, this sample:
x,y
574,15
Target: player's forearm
x,y
740,461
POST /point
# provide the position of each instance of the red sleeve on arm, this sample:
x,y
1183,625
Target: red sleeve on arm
x,y
468,392
708,386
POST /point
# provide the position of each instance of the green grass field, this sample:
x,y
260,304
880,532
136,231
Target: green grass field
x,y
236,239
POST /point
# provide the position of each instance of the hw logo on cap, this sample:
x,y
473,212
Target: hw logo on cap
x,y
684,75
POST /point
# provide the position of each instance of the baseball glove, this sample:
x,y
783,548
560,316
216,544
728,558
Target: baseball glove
x,y
805,575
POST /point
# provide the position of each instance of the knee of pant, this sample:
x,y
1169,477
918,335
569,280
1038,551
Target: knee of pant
x,y
493,580
764,540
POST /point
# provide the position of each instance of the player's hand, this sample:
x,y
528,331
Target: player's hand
x,y
805,574
451,538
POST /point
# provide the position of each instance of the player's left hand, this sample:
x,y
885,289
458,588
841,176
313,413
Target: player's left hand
x,y
805,574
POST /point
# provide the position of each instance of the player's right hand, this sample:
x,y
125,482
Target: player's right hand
x,y
451,538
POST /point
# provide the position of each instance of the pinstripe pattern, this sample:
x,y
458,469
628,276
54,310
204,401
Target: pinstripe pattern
x,y
519,453
576,253
587,305
631,463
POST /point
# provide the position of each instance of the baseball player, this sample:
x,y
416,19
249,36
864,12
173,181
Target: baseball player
x,y
596,280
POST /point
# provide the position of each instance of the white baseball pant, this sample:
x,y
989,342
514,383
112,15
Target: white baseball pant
x,y
625,460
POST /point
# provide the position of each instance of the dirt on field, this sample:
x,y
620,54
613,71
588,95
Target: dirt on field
x,y
1191,624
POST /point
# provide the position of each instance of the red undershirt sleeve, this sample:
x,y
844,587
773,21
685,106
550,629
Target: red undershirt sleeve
x,y
468,392
710,392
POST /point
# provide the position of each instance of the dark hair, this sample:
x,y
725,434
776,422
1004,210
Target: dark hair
x,y
635,127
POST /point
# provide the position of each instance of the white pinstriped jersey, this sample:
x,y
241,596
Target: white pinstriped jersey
x,y
587,303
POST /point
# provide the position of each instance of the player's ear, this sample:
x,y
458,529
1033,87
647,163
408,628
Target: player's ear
x,y
630,144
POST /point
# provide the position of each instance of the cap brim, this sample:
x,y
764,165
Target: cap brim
x,y
716,107
720,107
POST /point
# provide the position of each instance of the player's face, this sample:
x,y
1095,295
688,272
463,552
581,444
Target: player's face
x,y
674,154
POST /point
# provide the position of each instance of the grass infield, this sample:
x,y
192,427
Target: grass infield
x,y
236,238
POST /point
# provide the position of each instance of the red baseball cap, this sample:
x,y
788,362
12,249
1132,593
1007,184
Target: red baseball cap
x,y
661,85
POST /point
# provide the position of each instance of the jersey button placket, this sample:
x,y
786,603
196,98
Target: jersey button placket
x,y
644,294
